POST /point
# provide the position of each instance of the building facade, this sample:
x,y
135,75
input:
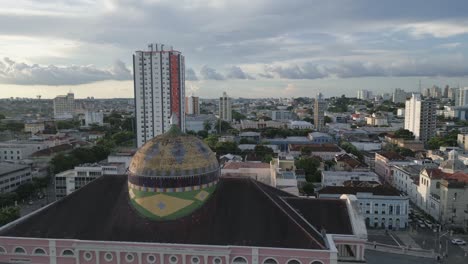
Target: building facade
x,y
34,127
399,96
225,108
281,115
338,178
421,117
159,86
92,117
64,106
192,105
381,207
319,112
13,175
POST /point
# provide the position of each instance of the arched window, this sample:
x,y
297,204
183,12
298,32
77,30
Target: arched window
x,y
270,261
2,250
39,251
294,261
316,262
68,253
239,260
19,250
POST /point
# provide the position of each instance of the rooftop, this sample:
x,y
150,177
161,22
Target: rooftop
x,y
316,147
378,190
249,165
240,212
390,155
6,168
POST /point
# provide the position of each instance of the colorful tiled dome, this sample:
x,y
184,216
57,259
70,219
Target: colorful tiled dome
x,y
172,175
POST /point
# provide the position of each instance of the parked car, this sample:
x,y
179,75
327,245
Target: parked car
x,y
422,225
457,241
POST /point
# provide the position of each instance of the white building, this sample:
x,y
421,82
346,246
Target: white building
x,y
34,127
13,175
300,125
377,120
64,106
192,105
338,178
18,150
319,110
406,180
159,83
381,206
225,108
462,98
420,117
364,94
96,118
68,181
281,115
283,175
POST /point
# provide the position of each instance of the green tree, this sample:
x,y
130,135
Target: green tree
x,y
238,116
207,125
25,190
327,119
9,214
308,188
202,133
310,166
2,116
211,141
404,133
223,148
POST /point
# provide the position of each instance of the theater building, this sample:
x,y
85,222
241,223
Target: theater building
x,y
174,208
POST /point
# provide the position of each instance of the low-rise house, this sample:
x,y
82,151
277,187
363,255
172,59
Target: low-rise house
x,y
384,161
320,138
324,151
348,162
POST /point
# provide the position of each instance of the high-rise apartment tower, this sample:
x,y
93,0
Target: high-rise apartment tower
x,y
159,83
192,105
421,117
319,112
64,106
225,110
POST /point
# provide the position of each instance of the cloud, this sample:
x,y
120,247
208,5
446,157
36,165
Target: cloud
x,y
236,72
437,29
294,71
13,72
290,90
190,75
211,74
451,45
432,67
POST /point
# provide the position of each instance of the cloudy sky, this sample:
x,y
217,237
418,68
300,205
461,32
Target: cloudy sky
x,y
249,48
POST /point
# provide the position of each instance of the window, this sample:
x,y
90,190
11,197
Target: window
x,y
316,262
294,261
87,256
108,257
239,260
129,257
19,250
152,259
270,261
217,260
39,251
195,260
173,259
68,253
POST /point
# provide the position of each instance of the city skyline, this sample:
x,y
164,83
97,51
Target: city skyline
x,y
283,49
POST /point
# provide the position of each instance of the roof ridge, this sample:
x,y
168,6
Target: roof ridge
x,y
312,235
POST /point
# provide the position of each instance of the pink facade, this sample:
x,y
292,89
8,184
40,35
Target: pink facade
x,y
34,250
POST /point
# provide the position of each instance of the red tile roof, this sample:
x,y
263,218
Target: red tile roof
x,y
391,155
